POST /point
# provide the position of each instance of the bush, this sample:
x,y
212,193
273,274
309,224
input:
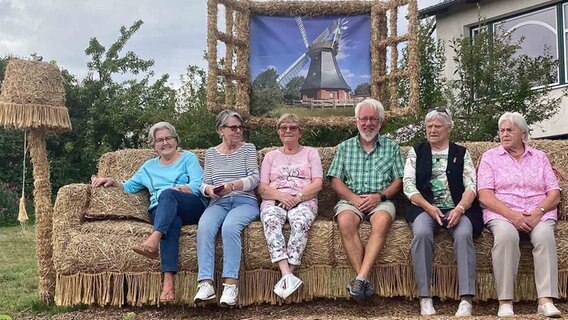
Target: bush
x,y
9,205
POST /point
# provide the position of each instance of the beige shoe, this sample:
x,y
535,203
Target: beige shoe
x,y
549,310
464,309
505,310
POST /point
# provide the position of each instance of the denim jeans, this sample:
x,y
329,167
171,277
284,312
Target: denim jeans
x,y
174,209
230,215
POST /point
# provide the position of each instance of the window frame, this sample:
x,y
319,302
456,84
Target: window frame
x,y
561,34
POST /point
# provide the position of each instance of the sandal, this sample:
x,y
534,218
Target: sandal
x,y
146,251
168,296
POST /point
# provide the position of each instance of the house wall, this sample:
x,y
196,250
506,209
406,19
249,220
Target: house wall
x,y
457,22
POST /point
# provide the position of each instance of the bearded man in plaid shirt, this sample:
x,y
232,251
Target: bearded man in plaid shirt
x,y
366,172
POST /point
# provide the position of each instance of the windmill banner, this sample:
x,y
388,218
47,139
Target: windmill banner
x,y
309,62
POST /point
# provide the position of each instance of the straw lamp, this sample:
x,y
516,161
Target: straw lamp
x,y
33,99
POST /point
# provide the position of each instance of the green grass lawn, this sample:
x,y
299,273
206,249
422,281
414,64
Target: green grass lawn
x,y
18,273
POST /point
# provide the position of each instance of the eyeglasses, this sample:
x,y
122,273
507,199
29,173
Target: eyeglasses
x,y
286,128
365,120
235,128
168,139
441,110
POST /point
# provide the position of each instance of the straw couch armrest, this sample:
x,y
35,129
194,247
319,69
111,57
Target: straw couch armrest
x,y
70,206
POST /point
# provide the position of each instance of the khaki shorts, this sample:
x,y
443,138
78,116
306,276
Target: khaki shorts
x,y
387,206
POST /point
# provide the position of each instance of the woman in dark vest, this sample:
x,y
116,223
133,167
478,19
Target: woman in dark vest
x,y
439,179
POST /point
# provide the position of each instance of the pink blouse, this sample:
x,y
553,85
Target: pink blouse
x,y
520,185
291,173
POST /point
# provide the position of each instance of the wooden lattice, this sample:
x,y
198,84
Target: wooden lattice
x,y
384,34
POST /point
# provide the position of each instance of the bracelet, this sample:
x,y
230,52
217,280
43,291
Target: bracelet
x,y
232,186
459,206
301,196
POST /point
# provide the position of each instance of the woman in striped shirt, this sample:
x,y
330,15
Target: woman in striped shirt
x,y
230,178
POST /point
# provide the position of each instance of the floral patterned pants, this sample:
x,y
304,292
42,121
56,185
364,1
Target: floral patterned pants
x,y
300,219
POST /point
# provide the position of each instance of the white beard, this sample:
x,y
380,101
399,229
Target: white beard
x,y
368,137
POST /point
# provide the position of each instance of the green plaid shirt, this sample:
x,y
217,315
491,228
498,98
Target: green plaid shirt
x,y
364,172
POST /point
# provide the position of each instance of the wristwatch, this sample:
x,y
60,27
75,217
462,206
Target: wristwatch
x,y
383,196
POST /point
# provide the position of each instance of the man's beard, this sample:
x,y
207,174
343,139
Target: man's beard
x,y
368,137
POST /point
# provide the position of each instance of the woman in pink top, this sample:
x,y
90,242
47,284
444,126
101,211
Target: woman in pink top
x,y
290,179
520,193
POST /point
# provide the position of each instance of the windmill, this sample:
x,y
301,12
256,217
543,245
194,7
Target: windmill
x,y
324,79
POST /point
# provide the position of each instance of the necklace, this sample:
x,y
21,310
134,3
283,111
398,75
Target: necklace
x,y
289,157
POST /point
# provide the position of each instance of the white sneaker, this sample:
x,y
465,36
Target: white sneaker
x,y
427,307
230,294
464,309
290,283
505,310
205,292
549,310
279,287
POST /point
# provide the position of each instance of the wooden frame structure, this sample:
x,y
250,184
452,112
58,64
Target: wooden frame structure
x,y
234,75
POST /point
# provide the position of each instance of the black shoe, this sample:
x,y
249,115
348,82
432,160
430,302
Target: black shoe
x,y
358,290
370,291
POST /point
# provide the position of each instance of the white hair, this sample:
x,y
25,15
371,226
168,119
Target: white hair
x,y
516,119
160,126
441,114
376,105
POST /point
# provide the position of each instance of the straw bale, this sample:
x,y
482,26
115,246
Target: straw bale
x,y
33,96
114,203
563,206
243,88
327,198
70,205
311,8
317,252
122,164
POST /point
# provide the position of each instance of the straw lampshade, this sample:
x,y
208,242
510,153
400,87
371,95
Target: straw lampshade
x,y
33,96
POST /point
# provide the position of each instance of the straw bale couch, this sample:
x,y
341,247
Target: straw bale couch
x,y
93,231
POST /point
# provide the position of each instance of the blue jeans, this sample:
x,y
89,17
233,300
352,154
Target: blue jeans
x,y
174,209
230,215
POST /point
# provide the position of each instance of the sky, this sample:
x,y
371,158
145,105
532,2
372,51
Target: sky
x,y
174,33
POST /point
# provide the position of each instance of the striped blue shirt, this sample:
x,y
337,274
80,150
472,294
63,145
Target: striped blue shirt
x,y
241,165
156,177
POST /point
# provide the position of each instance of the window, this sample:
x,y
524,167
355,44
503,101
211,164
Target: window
x,y
540,34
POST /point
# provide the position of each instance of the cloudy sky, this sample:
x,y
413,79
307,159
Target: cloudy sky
x,y
174,32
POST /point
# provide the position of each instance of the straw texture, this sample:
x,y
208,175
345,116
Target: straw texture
x,y
114,203
94,262
33,96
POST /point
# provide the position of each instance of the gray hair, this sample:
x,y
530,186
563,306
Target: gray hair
x,y
516,119
376,105
159,126
441,114
223,117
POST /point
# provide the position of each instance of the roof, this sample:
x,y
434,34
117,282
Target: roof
x,y
442,7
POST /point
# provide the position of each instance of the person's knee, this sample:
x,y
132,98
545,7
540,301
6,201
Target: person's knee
x,y
422,233
348,222
299,225
230,231
543,239
506,238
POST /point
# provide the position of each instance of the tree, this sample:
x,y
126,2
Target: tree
x,y
266,93
364,89
292,90
493,78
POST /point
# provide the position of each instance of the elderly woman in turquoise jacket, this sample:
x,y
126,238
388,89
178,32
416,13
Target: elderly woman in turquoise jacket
x,y
173,180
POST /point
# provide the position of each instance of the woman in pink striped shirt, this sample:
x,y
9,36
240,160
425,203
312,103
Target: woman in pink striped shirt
x,y
520,193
